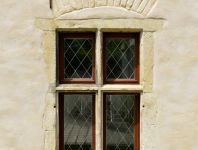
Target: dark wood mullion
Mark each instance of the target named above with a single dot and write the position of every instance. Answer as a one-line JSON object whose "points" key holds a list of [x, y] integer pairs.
{"points": [[137, 123], [104, 58], [121, 81], [93, 122], [104, 122], [61, 121], [94, 60], [137, 57], [76, 81], [61, 58]]}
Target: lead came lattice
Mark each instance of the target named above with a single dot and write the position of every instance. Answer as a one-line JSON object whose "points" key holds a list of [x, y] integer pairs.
{"points": [[78, 122], [120, 59], [78, 58], [119, 122]]}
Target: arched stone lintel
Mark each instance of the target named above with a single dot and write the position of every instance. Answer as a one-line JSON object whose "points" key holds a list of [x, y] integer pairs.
{"points": [[141, 7]]}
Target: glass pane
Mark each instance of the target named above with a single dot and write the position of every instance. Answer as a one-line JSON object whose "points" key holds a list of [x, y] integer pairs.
{"points": [[119, 122], [78, 122], [78, 58], [120, 59]]}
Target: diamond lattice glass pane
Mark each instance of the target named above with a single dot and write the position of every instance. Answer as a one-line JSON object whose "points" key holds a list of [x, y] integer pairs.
{"points": [[78, 58], [78, 122], [120, 122], [120, 60]]}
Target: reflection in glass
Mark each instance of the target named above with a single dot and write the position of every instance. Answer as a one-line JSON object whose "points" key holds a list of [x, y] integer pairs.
{"points": [[119, 122], [78, 122], [120, 63], [78, 58]]}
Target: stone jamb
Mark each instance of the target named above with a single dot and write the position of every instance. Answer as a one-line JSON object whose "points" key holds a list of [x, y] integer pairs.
{"points": [[148, 104]]}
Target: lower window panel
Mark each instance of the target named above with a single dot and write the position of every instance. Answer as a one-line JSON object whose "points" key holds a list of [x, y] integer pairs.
{"points": [[76, 129], [120, 121]]}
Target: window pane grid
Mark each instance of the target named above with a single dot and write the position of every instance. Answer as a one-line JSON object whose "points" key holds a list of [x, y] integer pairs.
{"points": [[120, 60], [119, 64], [120, 121], [76, 129], [78, 58]]}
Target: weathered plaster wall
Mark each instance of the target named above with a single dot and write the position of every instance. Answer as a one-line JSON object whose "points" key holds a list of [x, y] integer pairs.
{"points": [[24, 76], [176, 75]]}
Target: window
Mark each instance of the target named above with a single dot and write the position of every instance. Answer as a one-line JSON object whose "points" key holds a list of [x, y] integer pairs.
{"points": [[77, 61], [51, 46], [121, 121], [116, 112], [121, 57], [77, 119]]}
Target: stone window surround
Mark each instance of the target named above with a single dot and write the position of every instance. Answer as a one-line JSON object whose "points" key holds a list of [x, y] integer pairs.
{"points": [[148, 106]]}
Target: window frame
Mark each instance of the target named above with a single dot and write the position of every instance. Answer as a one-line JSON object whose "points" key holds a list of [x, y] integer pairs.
{"points": [[77, 35], [136, 127], [81, 82], [136, 36], [61, 117], [147, 27]]}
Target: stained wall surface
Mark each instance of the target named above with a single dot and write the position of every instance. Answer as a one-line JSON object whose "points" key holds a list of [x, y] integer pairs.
{"points": [[23, 73]]}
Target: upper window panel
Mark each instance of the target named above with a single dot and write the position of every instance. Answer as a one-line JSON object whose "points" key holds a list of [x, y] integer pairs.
{"points": [[76, 57], [121, 57]]}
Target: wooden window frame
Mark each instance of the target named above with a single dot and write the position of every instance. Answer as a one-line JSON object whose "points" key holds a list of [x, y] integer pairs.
{"points": [[134, 35], [61, 117], [81, 35], [82, 83], [146, 27], [136, 119]]}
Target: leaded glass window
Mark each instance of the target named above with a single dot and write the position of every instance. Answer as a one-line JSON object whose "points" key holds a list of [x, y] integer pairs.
{"points": [[89, 115], [77, 62], [120, 116], [120, 57], [77, 126]]}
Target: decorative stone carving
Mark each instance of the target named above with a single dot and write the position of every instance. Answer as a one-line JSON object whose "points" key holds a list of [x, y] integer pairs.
{"points": [[142, 7]]}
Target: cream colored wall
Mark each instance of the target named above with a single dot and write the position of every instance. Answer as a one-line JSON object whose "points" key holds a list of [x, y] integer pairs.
{"points": [[176, 75], [23, 78], [24, 75]]}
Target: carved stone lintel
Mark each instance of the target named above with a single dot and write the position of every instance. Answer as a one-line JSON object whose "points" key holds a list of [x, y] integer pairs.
{"points": [[142, 7]]}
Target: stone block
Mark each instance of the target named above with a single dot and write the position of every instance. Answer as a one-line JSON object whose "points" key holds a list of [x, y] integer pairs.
{"points": [[117, 3], [76, 4], [85, 3], [136, 4], [50, 140], [110, 3], [142, 6], [99, 3], [49, 118], [129, 4], [49, 40], [91, 3], [148, 7], [123, 3]]}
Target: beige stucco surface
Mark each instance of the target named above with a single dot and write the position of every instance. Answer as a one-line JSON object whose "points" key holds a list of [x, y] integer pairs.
{"points": [[25, 81]]}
